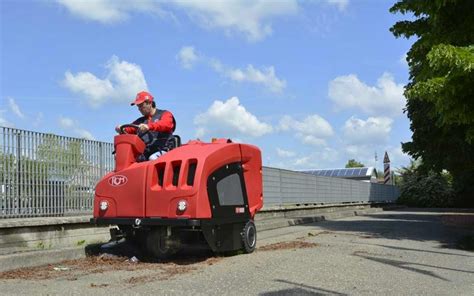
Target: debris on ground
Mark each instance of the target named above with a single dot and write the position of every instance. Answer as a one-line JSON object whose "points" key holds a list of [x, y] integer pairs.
{"points": [[73, 269], [288, 245], [99, 285]]}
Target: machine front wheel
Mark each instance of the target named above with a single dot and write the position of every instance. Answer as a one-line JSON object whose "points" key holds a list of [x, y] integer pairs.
{"points": [[249, 237], [159, 245]]}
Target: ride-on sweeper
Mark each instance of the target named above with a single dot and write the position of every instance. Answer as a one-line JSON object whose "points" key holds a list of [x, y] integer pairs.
{"points": [[196, 192]]}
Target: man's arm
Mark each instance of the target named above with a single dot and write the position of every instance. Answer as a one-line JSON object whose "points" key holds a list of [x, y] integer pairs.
{"points": [[130, 130], [164, 125]]}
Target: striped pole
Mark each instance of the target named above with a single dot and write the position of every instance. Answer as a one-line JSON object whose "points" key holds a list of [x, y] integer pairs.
{"points": [[386, 169]]}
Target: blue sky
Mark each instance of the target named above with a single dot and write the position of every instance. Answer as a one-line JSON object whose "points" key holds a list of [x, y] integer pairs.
{"points": [[312, 83]]}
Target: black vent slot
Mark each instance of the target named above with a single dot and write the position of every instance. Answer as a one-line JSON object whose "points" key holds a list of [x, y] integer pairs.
{"points": [[176, 168], [161, 175], [191, 173]]}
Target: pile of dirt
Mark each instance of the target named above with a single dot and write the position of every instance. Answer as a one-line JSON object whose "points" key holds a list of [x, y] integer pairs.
{"points": [[298, 244]]}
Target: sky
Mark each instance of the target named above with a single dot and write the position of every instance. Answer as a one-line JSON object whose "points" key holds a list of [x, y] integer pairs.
{"points": [[312, 83]]}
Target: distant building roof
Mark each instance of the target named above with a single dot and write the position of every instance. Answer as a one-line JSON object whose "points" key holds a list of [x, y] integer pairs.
{"points": [[365, 173]]}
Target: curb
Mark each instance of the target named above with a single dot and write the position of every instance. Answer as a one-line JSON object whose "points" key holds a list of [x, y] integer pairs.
{"points": [[38, 258], [270, 224]]}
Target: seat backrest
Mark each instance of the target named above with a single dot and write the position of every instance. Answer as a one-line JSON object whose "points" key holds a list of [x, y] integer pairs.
{"points": [[176, 141]]}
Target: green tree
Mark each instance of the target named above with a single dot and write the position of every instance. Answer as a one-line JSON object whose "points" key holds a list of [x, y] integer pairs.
{"points": [[62, 159], [424, 189], [55, 170], [440, 93], [352, 163]]}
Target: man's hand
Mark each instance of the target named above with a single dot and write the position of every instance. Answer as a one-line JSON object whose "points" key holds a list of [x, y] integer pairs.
{"points": [[143, 127]]}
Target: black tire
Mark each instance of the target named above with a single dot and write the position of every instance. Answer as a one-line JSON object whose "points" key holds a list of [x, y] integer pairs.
{"points": [[158, 244], [249, 237]]}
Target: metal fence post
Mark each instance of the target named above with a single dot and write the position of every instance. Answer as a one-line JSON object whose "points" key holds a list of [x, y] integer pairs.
{"points": [[101, 159], [18, 170]]}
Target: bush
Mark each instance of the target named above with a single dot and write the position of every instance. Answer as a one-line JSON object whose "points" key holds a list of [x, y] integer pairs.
{"points": [[425, 189]]}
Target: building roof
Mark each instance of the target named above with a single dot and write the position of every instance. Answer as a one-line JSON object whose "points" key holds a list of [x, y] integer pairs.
{"points": [[344, 173]]}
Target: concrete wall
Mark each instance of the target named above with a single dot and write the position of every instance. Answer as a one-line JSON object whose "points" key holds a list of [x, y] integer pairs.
{"points": [[27, 234], [283, 187]]}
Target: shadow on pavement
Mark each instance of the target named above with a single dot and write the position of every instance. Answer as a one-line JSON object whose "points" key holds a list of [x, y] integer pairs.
{"points": [[419, 226], [409, 266], [122, 248], [418, 250], [301, 289]]}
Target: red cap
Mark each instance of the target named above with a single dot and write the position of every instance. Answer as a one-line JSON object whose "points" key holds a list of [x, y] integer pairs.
{"points": [[142, 97]]}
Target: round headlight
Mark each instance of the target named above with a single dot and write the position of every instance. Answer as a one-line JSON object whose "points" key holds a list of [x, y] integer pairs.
{"points": [[104, 205], [182, 205]]}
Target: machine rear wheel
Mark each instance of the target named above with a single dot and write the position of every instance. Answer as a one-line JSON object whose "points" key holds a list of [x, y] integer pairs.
{"points": [[249, 237], [159, 245]]}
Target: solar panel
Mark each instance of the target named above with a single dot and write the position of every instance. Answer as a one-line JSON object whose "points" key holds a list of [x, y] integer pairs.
{"points": [[341, 173]]}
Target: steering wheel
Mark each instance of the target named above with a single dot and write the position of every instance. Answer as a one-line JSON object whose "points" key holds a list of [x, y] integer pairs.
{"points": [[123, 126]]}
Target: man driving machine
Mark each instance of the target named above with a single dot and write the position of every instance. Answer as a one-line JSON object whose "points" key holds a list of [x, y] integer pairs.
{"points": [[155, 127]]}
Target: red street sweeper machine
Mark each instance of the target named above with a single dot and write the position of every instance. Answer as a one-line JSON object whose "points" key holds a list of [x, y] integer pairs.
{"points": [[196, 192]]}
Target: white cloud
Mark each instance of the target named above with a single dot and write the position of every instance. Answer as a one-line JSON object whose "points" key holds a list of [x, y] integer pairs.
{"points": [[250, 18], [397, 157], [340, 4], [403, 60], [311, 140], [285, 153], [39, 119], [229, 119], [121, 83], [72, 126], [82, 133], [187, 57], [265, 76], [313, 130], [386, 98], [321, 159], [66, 123], [3, 121], [312, 125], [366, 155], [15, 108], [110, 11], [373, 130]]}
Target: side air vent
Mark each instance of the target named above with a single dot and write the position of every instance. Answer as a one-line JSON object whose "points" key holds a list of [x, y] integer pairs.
{"points": [[191, 172], [176, 168], [161, 173]]}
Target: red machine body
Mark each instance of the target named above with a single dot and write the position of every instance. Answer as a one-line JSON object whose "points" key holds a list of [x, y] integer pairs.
{"points": [[220, 184]]}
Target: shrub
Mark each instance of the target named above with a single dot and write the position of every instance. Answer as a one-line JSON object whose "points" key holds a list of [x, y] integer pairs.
{"points": [[425, 189]]}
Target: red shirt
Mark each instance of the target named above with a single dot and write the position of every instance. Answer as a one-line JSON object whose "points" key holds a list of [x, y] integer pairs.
{"points": [[162, 121]]}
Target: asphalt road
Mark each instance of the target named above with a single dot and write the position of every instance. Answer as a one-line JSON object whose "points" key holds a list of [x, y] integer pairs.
{"points": [[387, 253]]}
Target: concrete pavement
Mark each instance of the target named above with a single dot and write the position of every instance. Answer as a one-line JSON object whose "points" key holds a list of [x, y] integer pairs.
{"points": [[384, 253]]}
